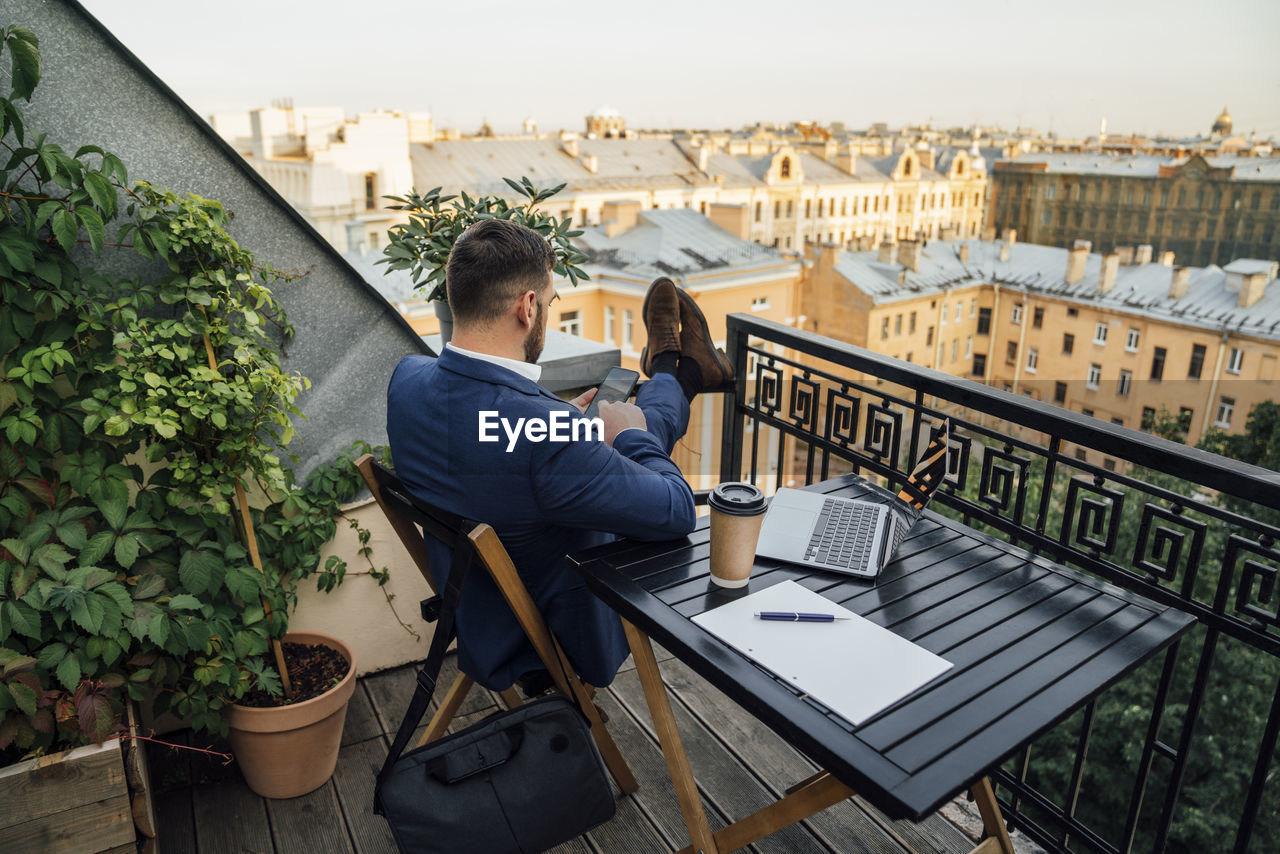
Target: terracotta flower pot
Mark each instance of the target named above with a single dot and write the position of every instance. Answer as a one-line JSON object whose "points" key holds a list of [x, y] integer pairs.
{"points": [[288, 751]]}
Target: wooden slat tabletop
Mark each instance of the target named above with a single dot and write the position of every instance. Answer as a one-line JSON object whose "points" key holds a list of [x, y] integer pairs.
{"points": [[1031, 642]]}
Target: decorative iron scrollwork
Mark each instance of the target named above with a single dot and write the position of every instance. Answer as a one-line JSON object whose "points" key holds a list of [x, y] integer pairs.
{"points": [[1160, 553], [1100, 511], [884, 429]]}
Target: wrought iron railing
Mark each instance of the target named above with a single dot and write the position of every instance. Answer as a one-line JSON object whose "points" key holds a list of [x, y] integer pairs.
{"points": [[1178, 757]]}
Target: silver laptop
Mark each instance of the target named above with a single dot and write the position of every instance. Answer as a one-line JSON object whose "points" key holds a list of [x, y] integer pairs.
{"points": [[848, 535]]}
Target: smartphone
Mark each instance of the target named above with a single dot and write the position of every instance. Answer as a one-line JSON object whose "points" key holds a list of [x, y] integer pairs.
{"points": [[618, 385]]}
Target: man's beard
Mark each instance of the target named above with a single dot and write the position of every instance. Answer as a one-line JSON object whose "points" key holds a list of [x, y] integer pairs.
{"points": [[537, 336]]}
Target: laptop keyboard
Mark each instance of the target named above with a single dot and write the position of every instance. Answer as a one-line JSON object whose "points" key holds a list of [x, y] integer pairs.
{"points": [[842, 535]]}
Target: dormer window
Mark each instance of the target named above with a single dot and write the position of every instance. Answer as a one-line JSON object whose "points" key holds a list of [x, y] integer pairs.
{"points": [[959, 168], [785, 170], [906, 168]]}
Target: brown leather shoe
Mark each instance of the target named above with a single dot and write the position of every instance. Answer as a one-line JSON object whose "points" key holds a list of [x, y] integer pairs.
{"points": [[661, 314], [695, 343]]}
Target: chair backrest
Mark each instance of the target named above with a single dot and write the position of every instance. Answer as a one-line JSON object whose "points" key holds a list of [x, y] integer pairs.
{"points": [[405, 511]]}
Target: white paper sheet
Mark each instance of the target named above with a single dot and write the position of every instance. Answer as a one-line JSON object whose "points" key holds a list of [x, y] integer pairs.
{"points": [[853, 667]]}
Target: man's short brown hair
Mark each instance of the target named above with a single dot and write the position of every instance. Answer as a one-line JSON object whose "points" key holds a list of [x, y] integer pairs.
{"points": [[493, 263]]}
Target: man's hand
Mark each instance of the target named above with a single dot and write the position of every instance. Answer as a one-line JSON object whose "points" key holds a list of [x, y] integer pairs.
{"points": [[618, 417], [583, 400]]}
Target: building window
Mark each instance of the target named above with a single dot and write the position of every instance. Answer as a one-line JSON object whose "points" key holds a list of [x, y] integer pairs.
{"points": [[928, 337], [1148, 417], [1082, 455], [777, 210], [1131, 340], [1197, 362], [955, 349], [791, 209], [1068, 343], [909, 356], [785, 170], [968, 347], [1050, 192], [1037, 318], [1087, 412], [1017, 312], [979, 364], [897, 325], [608, 324], [1011, 352], [1122, 387], [370, 191], [884, 328], [760, 304], [911, 323], [759, 210], [1235, 360], [571, 322], [1033, 358], [959, 310], [1226, 408], [1108, 464], [1095, 376], [808, 208], [973, 307], [627, 326], [1100, 333], [984, 321], [1185, 413], [1060, 393], [1157, 364], [1073, 312]]}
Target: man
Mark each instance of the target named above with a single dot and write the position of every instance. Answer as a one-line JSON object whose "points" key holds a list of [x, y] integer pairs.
{"points": [[544, 499]]}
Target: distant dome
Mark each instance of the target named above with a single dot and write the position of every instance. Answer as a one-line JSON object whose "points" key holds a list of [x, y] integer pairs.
{"points": [[607, 112], [1222, 124]]}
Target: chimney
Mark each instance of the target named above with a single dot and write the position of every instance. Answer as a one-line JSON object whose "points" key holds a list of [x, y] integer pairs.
{"points": [[847, 161], [1077, 255], [1107, 275], [704, 156], [1004, 252], [618, 216], [570, 146], [734, 219], [1126, 255], [1143, 254], [1166, 258], [1011, 236], [1254, 286], [909, 255], [1179, 282], [888, 252], [592, 163], [962, 252]]}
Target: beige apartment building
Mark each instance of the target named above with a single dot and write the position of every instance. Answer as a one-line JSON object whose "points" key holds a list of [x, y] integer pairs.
{"points": [[1204, 210], [793, 196], [1115, 336]]}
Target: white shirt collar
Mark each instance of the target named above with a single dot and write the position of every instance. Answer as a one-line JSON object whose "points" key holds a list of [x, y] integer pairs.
{"points": [[524, 369]]}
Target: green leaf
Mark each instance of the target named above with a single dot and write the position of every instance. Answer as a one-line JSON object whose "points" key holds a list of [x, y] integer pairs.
{"points": [[97, 547], [93, 225], [158, 631], [68, 672], [196, 569], [88, 613], [97, 720], [23, 696], [149, 586], [185, 602], [126, 549], [23, 619], [26, 62], [101, 191], [114, 510], [65, 229]]}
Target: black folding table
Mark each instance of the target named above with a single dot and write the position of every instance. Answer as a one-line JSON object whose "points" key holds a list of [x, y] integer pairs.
{"points": [[1030, 641]]}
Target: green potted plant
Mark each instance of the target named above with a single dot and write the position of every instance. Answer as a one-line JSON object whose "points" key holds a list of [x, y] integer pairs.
{"points": [[141, 426], [422, 245]]}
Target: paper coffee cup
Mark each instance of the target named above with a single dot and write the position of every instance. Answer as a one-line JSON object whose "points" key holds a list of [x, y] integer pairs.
{"points": [[737, 511]]}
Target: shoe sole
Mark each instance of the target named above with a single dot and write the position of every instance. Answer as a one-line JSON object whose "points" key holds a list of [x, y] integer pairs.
{"points": [[645, 367], [722, 361]]}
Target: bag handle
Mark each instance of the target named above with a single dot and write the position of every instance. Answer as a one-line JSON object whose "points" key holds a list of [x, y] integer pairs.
{"points": [[426, 686]]}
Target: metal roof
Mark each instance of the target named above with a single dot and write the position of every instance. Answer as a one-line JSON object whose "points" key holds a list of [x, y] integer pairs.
{"points": [[1139, 290], [679, 243], [1147, 165]]}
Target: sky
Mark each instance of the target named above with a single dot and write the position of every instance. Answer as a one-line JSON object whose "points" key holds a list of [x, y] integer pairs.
{"points": [[1147, 67]]}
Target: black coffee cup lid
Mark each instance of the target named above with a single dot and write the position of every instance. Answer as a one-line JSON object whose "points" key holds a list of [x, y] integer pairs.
{"points": [[736, 499]]}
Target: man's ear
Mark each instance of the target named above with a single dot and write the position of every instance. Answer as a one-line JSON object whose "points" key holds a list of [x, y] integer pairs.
{"points": [[527, 309]]}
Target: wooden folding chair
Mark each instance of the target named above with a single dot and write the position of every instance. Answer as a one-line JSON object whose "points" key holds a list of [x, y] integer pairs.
{"points": [[407, 514]]}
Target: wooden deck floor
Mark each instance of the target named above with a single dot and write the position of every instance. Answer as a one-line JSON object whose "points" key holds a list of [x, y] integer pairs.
{"points": [[206, 808]]}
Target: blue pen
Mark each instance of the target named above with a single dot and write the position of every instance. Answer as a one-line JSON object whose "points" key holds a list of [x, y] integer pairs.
{"points": [[798, 617]]}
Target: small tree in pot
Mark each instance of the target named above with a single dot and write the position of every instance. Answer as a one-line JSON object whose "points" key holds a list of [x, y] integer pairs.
{"points": [[422, 245]]}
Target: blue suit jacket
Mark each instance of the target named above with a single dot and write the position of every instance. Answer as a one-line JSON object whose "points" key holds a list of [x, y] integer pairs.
{"points": [[544, 499]]}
